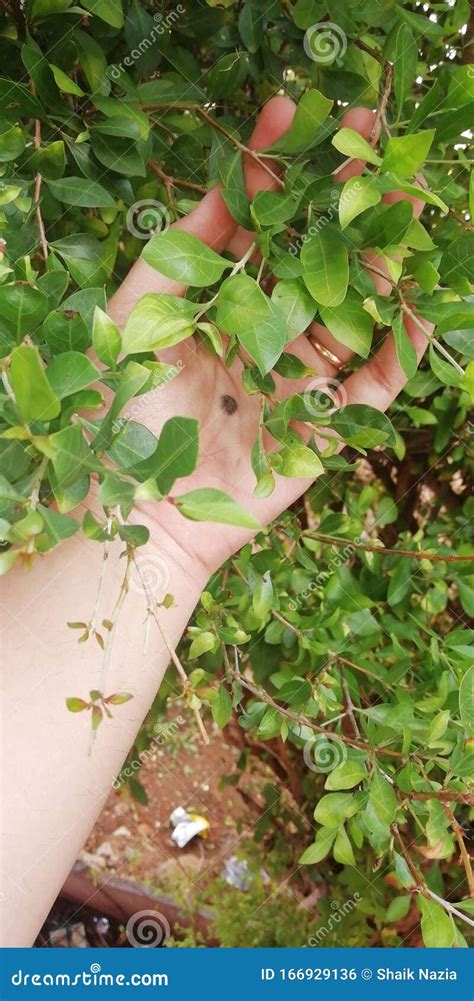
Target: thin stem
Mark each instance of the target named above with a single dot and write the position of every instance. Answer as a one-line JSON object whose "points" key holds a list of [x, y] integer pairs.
{"points": [[444, 795], [385, 551], [152, 613], [215, 124], [175, 182], [263, 696], [442, 350], [237, 267], [380, 113], [458, 833], [37, 190], [113, 619]]}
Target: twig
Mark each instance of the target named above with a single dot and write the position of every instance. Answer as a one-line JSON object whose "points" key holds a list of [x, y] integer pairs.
{"points": [[175, 182], [442, 350], [261, 694], [369, 50], [151, 609], [444, 795], [215, 124], [384, 551], [113, 619], [458, 833], [350, 707], [421, 885], [37, 190], [380, 117]]}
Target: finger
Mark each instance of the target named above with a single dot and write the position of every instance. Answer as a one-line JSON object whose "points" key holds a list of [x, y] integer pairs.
{"points": [[380, 380], [210, 221], [362, 120], [274, 120], [401, 196]]}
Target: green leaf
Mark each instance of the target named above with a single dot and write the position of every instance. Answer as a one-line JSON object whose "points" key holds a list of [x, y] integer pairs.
{"points": [[35, 397], [64, 82], [109, 11], [312, 111], [263, 596], [333, 809], [12, 144], [106, 338], [118, 699], [401, 582], [405, 155], [346, 775], [203, 643], [363, 426], [22, 307], [357, 195], [208, 504], [398, 908], [231, 173], [158, 321], [437, 927], [352, 144], [382, 801], [342, 850], [82, 192], [405, 59], [402, 871], [321, 847], [466, 701], [270, 208], [326, 267], [184, 258], [244, 310], [406, 354], [69, 453], [177, 451], [76, 705], [85, 258], [350, 323], [221, 707], [70, 372], [297, 460]]}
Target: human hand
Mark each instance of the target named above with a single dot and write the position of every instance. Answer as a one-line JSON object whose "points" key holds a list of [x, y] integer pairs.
{"points": [[213, 394]]}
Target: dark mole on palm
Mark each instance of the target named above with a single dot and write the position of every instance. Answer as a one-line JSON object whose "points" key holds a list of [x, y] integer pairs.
{"points": [[228, 404]]}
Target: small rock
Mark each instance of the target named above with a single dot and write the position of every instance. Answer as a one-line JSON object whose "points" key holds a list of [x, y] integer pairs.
{"points": [[121, 832]]}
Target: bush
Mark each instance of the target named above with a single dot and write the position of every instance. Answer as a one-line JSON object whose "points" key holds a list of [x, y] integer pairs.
{"points": [[342, 632]]}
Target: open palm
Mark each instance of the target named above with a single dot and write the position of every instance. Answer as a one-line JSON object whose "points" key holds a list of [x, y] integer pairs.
{"points": [[213, 394]]}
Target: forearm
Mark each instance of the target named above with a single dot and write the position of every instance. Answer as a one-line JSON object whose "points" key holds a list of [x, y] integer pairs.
{"points": [[68, 781]]}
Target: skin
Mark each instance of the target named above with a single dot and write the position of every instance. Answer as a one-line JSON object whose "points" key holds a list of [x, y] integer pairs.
{"points": [[56, 788]]}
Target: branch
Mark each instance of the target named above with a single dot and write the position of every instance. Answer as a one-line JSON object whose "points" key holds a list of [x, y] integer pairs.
{"points": [[261, 694], [151, 609], [458, 833], [176, 182], [421, 885], [37, 189], [381, 110], [384, 551]]}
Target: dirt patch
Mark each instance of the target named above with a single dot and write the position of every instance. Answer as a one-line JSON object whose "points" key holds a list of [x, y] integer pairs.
{"points": [[134, 841]]}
